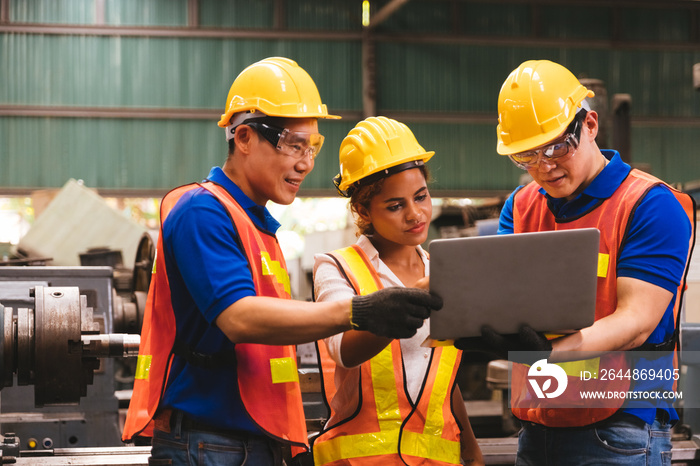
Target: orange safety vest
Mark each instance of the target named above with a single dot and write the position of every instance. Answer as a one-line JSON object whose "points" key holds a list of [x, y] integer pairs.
{"points": [[268, 379], [611, 217], [373, 421]]}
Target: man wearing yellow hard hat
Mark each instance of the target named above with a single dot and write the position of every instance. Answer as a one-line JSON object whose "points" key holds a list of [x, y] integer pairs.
{"points": [[547, 128], [216, 379]]}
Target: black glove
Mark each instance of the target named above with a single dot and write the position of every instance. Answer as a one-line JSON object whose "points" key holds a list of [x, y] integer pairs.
{"points": [[529, 345], [394, 312]]}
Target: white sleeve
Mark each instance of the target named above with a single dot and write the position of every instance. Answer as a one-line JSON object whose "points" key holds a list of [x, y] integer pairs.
{"points": [[331, 285]]}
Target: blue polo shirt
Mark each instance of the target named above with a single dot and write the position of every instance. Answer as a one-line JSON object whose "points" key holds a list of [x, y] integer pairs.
{"points": [[655, 251], [208, 271]]}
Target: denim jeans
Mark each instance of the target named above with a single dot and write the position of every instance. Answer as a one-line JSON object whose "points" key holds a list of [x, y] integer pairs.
{"points": [[623, 439], [183, 447]]}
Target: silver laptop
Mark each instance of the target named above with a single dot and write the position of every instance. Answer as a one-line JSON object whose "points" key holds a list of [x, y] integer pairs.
{"points": [[546, 280]]}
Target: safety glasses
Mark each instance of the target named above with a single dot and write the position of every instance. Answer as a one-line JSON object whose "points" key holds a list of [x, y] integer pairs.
{"points": [[555, 150], [296, 144], [551, 151]]}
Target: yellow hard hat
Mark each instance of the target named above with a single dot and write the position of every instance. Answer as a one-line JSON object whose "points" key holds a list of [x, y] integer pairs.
{"points": [[375, 146], [276, 87], [537, 102]]}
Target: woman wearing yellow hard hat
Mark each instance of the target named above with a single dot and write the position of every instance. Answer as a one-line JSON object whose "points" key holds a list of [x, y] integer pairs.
{"points": [[390, 399]]}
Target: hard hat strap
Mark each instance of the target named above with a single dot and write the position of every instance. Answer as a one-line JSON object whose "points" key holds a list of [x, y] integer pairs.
{"points": [[369, 179], [240, 118]]}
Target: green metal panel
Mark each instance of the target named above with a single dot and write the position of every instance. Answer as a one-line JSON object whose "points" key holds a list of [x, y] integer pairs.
{"points": [[159, 72], [52, 11], [575, 22], [495, 19], [656, 24], [445, 78], [421, 16], [195, 73], [112, 71], [660, 83], [146, 12], [335, 67], [299, 15], [122, 153], [336, 15], [465, 157], [466, 78], [236, 13], [671, 152], [105, 153]]}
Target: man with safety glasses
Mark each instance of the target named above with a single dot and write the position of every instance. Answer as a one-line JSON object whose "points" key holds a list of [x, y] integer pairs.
{"points": [[216, 380], [646, 227]]}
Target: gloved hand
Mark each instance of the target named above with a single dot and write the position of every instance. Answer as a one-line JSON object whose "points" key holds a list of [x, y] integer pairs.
{"points": [[394, 312], [530, 345]]}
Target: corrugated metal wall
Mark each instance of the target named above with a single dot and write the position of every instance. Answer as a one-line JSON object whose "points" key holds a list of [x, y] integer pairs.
{"points": [[435, 60]]}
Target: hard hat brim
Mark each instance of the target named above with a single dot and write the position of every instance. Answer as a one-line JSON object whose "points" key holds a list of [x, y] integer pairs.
{"points": [[387, 168]]}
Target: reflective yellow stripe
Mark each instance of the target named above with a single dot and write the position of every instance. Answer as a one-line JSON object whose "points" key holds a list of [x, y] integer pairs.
{"points": [[270, 267], [356, 446], [143, 366], [574, 368], [155, 260], [364, 277], [434, 421], [603, 262], [384, 443], [430, 446], [284, 370], [385, 396]]}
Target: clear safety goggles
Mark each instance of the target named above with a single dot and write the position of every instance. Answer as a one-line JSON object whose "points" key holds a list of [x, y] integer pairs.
{"points": [[296, 144], [555, 150], [551, 152]]}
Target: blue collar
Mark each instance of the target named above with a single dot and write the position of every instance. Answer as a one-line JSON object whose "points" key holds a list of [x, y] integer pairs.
{"points": [[602, 187], [257, 213], [608, 180]]}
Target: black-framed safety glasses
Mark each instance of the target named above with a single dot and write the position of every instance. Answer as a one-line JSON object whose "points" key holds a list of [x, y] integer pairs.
{"points": [[296, 144]]}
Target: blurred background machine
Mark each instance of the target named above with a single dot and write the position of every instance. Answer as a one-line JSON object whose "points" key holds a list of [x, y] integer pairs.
{"points": [[58, 368], [71, 309]]}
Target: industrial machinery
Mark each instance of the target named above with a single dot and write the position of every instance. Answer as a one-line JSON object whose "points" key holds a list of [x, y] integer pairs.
{"points": [[57, 334]]}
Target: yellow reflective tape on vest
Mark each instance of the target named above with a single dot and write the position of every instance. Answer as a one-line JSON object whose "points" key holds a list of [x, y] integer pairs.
{"points": [[430, 446], [574, 368], [435, 421], [603, 262], [143, 366], [284, 370], [385, 396], [356, 446], [363, 276], [270, 267]]}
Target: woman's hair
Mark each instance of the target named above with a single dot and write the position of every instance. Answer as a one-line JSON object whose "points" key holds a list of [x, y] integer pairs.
{"points": [[362, 196]]}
